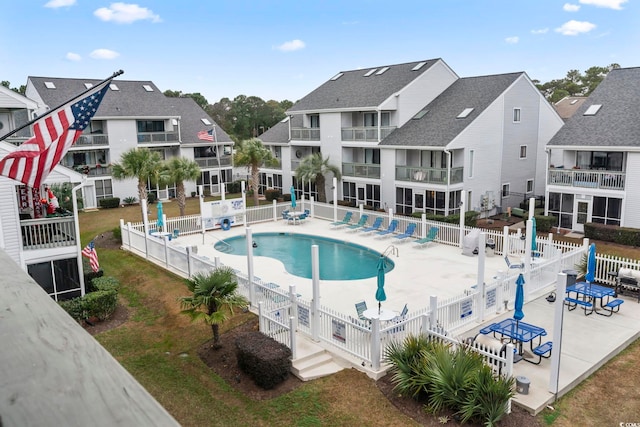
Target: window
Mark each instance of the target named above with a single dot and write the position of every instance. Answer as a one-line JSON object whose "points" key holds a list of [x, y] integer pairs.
{"points": [[148, 88], [371, 71], [372, 195], [505, 190], [206, 121], [529, 186], [314, 121], [349, 192], [370, 119], [470, 168], [523, 151], [516, 115], [435, 202], [114, 86], [59, 278], [561, 207], [104, 188], [88, 85], [593, 110], [337, 76], [150, 126], [606, 210], [404, 200], [599, 160], [382, 70], [420, 114], [418, 66], [465, 113], [49, 85]]}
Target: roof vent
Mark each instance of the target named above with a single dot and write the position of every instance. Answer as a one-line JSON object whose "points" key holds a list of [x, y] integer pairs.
{"points": [[465, 113], [418, 66], [88, 85], [337, 76], [371, 71], [382, 70], [592, 110]]}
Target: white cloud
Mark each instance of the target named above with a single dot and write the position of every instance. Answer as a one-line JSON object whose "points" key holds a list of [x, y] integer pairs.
{"points": [[73, 57], [568, 7], [125, 13], [609, 4], [104, 54], [573, 28], [292, 45], [54, 4], [512, 40], [540, 31]]}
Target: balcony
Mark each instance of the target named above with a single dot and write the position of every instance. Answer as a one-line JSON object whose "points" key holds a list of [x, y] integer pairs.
{"points": [[89, 140], [605, 180], [212, 162], [361, 170], [157, 137], [368, 133], [305, 134], [93, 170], [47, 233], [428, 175]]}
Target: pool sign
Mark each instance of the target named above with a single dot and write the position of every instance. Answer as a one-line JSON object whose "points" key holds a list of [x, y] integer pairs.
{"points": [[491, 298], [466, 308], [222, 213], [339, 329], [303, 316]]}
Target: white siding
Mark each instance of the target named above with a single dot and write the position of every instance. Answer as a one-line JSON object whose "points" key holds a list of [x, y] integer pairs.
{"points": [[630, 217], [10, 220], [330, 146]]}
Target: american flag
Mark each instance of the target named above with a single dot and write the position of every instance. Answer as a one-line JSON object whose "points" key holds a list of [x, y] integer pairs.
{"points": [[206, 135], [54, 134], [90, 252]]}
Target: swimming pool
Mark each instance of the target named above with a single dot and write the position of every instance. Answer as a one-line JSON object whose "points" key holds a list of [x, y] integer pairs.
{"points": [[338, 260]]}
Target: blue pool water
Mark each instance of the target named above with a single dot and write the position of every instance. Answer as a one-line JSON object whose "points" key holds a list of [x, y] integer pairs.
{"points": [[338, 260]]}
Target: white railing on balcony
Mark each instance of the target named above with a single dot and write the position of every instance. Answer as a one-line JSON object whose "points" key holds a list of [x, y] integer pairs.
{"points": [[366, 133], [96, 139], [157, 137], [429, 175], [46, 233], [607, 180], [305, 134], [363, 170], [212, 162]]}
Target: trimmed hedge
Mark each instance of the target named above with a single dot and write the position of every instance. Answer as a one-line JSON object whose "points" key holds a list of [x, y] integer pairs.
{"points": [[100, 301], [272, 194], [264, 359], [233, 187], [105, 283], [151, 198], [612, 233], [470, 218], [88, 279], [110, 202], [545, 223]]}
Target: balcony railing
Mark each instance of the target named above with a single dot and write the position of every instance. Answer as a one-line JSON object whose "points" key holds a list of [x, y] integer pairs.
{"points": [[88, 140], [46, 233], [428, 175], [368, 133], [16, 140], [305, 134], [212, 162], [157, 137], [362, 170], [606, 180]]}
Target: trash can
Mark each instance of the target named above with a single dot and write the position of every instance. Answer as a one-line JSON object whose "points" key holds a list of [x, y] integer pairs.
{"points": [[522, 385], [572, 277], [490, 244]]}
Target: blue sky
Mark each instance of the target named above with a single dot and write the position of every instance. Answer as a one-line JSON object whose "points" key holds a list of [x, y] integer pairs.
{"points": [[285, 49]]}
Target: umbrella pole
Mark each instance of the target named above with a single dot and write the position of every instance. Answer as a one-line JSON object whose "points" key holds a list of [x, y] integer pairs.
{"points": [[379, 307]]}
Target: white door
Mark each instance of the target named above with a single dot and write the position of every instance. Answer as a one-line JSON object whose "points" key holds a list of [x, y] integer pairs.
{"points": [[582, 210]]}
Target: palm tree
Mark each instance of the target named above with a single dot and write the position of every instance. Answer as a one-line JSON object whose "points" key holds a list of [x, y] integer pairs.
{"points": [[314, 168], [211, 293], [140, 163], [179, 170], [253, 154]]}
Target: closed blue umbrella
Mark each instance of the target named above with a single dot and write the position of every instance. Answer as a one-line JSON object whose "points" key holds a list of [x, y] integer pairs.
{"points": [[518, 314], [160, 221], [534, 247], [591, 264], [380, 295], [293, 198]]}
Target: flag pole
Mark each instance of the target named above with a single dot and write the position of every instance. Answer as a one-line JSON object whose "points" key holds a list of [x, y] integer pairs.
{"points": [[51, 110]]}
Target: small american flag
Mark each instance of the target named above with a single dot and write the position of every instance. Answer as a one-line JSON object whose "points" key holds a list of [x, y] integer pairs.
{"points": [[90, 252], [206, 135], [54, 134]]}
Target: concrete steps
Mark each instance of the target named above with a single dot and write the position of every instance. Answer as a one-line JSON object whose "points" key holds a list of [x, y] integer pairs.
{"points": [[313, 361]]}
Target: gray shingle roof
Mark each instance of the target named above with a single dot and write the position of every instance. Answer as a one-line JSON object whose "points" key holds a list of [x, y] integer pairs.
{"points": [[616, 124], [440, 125], [133, 100], [279, 133], [353, 90], [568, 105]]}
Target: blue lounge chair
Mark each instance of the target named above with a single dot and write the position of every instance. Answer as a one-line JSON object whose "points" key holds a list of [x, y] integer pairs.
{"points": [[392, 228], [519, 266], [361, 307], [411, 228], [361, 223], [374, 227], [433, 232], [345, 221]]}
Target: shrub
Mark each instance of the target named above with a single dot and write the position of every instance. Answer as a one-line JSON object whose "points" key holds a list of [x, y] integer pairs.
{"points": [[117, 234], [286, 197], [612, 233], [407, 365], [271, 194], [545, 223], [350, 203], [105, 283], [470, 218], [75, 307], [101, 304], [110, 202], [151, 198], [233, 187], [130, 200], [88, 279], [264, 359]]}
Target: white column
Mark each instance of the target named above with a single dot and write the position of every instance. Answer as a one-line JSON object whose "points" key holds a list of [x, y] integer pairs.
{"points": [[558, 320], [423, 219], [480, 286], [463, 196], [202, 213], [505, 240], [532, 207], [243, 191], [527, 255], [250, 266], [315, 302], [335, 199], [375, 344]]}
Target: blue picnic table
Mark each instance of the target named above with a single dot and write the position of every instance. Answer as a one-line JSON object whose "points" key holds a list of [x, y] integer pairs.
{"points": [[518, 333], [590, 295]]}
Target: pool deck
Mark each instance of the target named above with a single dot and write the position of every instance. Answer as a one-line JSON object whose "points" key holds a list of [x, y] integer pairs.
{"points": [[588, 342]]}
